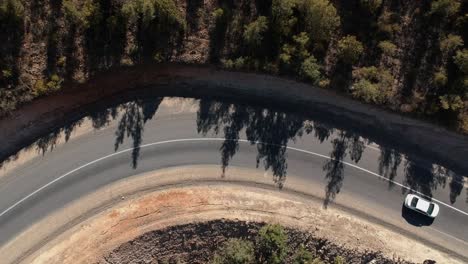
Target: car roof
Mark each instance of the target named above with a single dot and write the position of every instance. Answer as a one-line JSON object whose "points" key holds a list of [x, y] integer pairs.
{"points": [[423, 205]]}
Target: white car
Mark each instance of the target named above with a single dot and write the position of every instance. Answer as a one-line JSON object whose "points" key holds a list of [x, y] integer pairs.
{"points": [[421, 205]]}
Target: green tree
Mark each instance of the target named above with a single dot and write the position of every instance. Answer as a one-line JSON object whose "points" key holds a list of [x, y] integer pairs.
{"points": [[373, 85], [82, 15], [282, 16], [387, 47], [139, 9], [148, 10], [388, 23], [450, 43], [294, 55], [272, 244], [235, 251], [310, 70], [461, 60], [445, 8], [253, 32], [159, 28], [350, 49], [371, 5], [320, 18], [11, 11], [366, 90]]}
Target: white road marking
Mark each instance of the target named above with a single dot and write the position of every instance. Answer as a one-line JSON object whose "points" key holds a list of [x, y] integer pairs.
{"points": [[210, 139]]}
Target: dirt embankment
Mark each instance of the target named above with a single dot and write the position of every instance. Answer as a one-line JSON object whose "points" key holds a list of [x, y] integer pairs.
{"points": [[387, 129]]}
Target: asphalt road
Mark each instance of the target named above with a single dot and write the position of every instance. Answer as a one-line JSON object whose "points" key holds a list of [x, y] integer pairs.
{"points": [[90, 161]]}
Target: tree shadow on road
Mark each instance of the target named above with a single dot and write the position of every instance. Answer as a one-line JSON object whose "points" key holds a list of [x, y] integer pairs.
{"points": [[423, 177], [132, 119], [270, 132], [131, 124], [389, 161], [346, 143]]}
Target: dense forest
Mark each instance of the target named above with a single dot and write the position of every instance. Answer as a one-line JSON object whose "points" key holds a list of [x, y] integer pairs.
{"points": [[407, 56]]}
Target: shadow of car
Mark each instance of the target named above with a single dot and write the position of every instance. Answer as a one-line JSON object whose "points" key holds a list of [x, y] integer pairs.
{"points": [[415, 218]]}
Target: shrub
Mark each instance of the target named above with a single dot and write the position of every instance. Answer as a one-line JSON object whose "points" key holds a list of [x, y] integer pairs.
{"points": [[366, 90], [228, 64], [310, 70], [39, 88], [240, 63], [235, 251], [324, 83], [272, 244], [371, 5], [253, 32], [451, 102], [302, 256], [440, 78], [7, 73], [387, 48], [350, 49], [450, 43], [373, 85], [54, 84], [445, 8], [339, 260], [42, 87], [321, 19], [81, 15], [461, 60]]}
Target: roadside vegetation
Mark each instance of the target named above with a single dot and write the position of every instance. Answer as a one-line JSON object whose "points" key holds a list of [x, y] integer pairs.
{"points": [[270, 247], [239, 242], [405, 56]]}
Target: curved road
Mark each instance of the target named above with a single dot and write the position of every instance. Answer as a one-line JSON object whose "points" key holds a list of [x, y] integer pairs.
{"points": [[44, 184]]}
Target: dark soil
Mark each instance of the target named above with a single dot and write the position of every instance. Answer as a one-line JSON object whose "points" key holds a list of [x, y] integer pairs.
{"points": [[196, 243]]}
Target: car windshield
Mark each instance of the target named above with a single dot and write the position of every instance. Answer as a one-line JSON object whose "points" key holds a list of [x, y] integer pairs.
{"points": [[431, 208], [414, 202]]}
